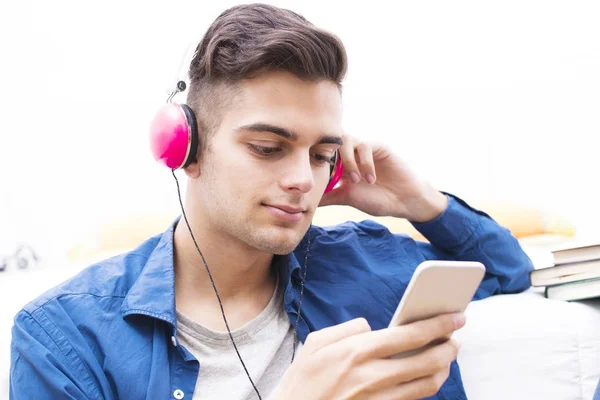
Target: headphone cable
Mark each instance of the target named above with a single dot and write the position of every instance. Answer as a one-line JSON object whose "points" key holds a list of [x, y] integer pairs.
{"points": [[219, 297]]}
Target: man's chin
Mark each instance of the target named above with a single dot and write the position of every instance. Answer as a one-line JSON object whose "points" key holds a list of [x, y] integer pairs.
{"points": [[279, 241]]}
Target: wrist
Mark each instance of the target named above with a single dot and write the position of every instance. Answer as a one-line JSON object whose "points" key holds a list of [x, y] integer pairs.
{"points": [[428, 206]]}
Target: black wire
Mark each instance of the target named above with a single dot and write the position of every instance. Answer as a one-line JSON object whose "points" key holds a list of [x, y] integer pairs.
{"points": [[214, 286], [301, 295], [219, 297]]}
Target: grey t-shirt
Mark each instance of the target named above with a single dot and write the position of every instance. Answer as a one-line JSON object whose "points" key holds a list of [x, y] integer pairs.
{"points": [[265, 344]]}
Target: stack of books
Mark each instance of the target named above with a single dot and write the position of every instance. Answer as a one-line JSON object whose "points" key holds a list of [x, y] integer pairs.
{"points": [[575, 274]]}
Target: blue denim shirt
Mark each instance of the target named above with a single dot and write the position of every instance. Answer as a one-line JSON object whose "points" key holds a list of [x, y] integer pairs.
{"points": [[110, 332]]}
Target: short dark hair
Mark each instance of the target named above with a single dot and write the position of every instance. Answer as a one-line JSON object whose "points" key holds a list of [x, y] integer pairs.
{"points": [[247, 40]]}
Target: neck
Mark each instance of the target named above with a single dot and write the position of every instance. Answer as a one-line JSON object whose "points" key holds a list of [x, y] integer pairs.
{"points": [[241, 274]]}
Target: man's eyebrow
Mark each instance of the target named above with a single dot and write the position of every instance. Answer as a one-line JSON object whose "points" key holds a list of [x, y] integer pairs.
{"points": [[330, 139], [262, 127], [287, 134]]}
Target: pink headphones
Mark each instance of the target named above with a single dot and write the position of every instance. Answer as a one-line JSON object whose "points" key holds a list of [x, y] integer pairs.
{"points": [[174, 138]]}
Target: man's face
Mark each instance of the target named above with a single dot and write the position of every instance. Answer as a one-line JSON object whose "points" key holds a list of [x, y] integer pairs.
{"points": [[267, 166]]}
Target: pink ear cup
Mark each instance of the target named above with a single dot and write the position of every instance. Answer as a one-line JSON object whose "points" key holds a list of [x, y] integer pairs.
{"points": [[170, 136], [337, 175]]}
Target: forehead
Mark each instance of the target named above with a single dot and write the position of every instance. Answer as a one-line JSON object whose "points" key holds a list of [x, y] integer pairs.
{"points": [[282, 99]]}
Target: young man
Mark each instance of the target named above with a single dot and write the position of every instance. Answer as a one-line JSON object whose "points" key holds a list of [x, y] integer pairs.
{"points": [[265, 89]]}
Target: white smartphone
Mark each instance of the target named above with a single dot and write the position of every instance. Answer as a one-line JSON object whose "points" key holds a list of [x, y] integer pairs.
{"points": [[438, 287]]}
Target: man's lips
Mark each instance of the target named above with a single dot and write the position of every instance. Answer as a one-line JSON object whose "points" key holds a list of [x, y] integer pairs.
{"points": [[286, 208], [285, 212]]}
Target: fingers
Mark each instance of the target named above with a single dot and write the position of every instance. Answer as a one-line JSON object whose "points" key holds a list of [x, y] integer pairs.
{"points": [[349, 160], [431, 362], [364, 153], [421, 333], [357, 158], [392, 372], [359, 360], [388, 342], [324, 337], [417, 389], [386, 378]]}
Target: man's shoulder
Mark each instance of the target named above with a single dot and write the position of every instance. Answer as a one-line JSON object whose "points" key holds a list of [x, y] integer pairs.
{"points": [[366, 232], [110, 277], [366, 240], [348, 227]]}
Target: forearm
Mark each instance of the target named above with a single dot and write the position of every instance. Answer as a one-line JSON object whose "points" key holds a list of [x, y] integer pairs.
{"points": [[464, 233]]}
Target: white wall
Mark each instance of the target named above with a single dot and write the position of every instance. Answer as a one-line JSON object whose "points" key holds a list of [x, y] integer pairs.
{"points": [[489, 100]]}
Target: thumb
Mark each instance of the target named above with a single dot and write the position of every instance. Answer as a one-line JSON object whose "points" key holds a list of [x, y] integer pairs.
{"points": [[322, 338]]}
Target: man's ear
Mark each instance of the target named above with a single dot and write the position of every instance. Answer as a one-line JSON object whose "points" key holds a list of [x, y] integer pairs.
{"points": [[193, 170]]}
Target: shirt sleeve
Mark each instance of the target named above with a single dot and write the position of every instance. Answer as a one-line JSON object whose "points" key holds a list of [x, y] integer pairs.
{"points": [[464, 233], [41, 363]]}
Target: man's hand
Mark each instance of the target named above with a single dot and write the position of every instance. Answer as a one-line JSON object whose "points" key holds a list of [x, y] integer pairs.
{"points": [[379, 183], [349, 361]]}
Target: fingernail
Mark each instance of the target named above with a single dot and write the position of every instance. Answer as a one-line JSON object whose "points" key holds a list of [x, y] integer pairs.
{"points": [[370, 178], [354, 176], [459, 320]]}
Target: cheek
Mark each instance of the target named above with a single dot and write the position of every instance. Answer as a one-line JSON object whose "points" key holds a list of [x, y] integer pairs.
{"points": [[238, 177]]}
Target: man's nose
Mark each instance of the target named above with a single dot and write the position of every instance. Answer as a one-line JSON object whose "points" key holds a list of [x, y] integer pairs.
{"points": [[299, 174]]}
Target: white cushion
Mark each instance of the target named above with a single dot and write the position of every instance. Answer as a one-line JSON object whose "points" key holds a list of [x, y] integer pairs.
{"points": [[525, 346]]}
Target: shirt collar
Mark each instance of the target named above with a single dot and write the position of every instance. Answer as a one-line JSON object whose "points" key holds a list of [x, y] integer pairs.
{"points": [[153, 293]]}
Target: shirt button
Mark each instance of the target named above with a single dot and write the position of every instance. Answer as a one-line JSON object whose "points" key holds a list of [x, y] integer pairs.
{"points": [[178, 394], [174, 341]]}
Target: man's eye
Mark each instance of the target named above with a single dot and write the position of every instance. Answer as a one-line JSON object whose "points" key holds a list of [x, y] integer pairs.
{"points": [[262, 150], [321, 159]]}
